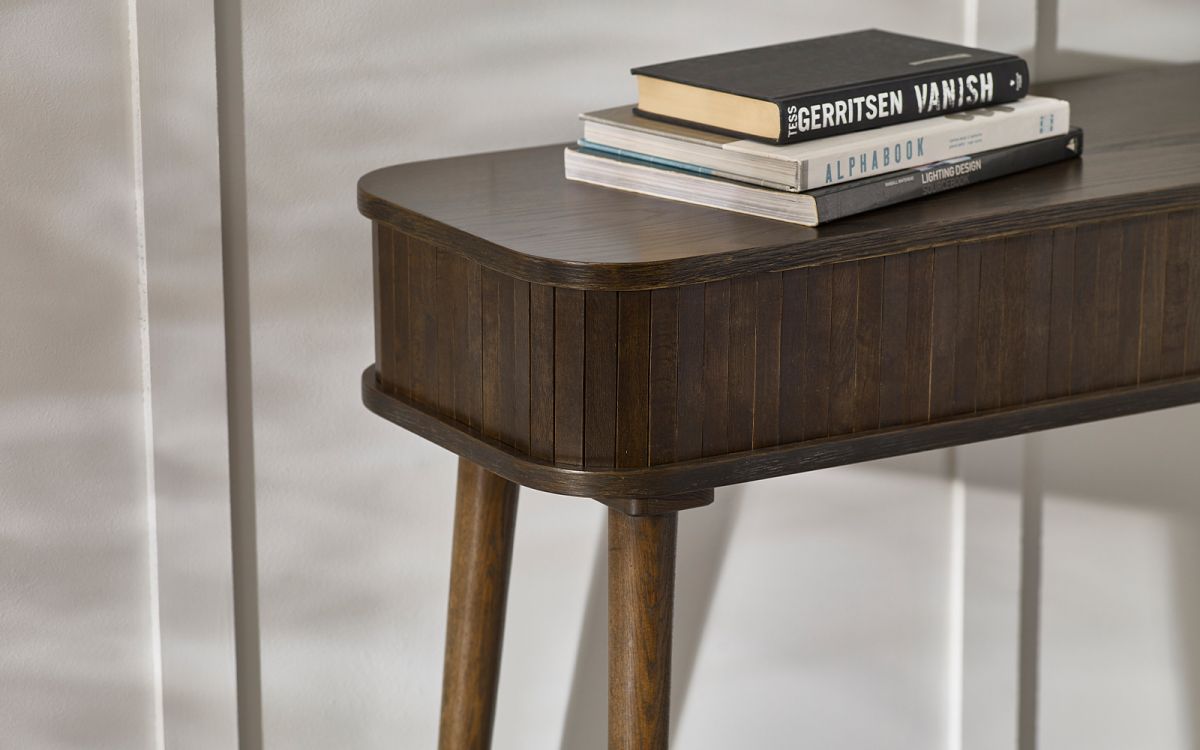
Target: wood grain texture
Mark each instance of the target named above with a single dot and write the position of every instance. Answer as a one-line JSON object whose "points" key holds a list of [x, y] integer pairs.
{"points": [[867, 345], [400, 361], [657, 506], [1083, 321], [967, 329], [1016, 319], [767, 331], [457, 292], [793, 328], [989, 355], [1188, 233], [541, 371], [422, 320], [444, 324], [918, 350], [485, 518], [943, 332], [715, 431], [1038, 297], [818, 374], [381, 269], [504, 376], [600, 380], [893, 357], [568, 376], [515, 212], [843, 346], [681, 477], [690, 408], [641, 594], [664, 376], [1107, 366], [518, 364], [1149, 333], [472, 364], [494, 344], [631, 379], [743, 320], [1175, 298], [1062, 312]]}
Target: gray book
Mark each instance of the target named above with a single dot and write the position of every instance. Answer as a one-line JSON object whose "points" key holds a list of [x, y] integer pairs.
{"points": [[823, 204]]}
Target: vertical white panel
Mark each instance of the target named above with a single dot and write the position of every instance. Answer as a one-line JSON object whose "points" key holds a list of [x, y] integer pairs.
{"points": [[75, 634], [180, 181], [1121, 606], [1007, 26], [1075, 38], [1096, 36], [991, 557]]}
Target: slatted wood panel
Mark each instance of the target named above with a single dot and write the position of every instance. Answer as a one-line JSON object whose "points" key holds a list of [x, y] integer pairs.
{"points": [[602, 379]]}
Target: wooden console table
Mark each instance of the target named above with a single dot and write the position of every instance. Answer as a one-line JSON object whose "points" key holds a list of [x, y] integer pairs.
{"points": [[595, 343]]}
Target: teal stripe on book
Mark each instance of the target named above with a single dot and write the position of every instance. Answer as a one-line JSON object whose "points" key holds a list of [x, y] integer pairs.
{"points": [[658, 160]]}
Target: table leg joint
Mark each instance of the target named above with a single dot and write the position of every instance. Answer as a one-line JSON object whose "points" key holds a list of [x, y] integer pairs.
{"points": [[659, 506]]}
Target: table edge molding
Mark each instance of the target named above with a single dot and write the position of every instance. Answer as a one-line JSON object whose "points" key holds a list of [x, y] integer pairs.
{"points": [[657, 482], [717, 266]]}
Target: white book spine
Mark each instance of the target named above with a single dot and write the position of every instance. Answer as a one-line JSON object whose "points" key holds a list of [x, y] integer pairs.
{"points": [[857, 155]]}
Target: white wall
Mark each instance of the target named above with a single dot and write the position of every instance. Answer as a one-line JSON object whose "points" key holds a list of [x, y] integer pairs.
{"points": [[891, 591], [354, 515], [1121, 613], [76, 664]]}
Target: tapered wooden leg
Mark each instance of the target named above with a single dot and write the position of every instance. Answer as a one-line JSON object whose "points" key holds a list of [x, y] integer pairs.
{"points": [[641, 594], [484, 520]]}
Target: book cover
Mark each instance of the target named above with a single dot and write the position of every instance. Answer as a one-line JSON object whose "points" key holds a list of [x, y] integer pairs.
{"points": [[823, 204], [856, 197], [815, 88], [828, 161]]}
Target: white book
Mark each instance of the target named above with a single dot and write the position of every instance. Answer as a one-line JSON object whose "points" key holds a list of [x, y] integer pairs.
{"points": [[827, 161]]}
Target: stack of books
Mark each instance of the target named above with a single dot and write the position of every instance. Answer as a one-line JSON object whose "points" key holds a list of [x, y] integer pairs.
{"points": [[814, 130]]}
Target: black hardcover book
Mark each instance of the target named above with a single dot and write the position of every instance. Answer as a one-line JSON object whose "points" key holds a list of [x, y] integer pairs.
{"points": [[823, 204], [800, 91]]}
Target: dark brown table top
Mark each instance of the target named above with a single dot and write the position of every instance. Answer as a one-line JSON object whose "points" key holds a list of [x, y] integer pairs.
{"points": [[514, 210], [1057, 296]]}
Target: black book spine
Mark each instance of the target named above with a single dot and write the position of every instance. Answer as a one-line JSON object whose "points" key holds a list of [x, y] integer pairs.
{"points": [[848, 110], [851, 198]]}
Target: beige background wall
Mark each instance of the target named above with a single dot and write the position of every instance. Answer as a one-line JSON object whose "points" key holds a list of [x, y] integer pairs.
{"points": [[76, 635], [890, 591]]}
